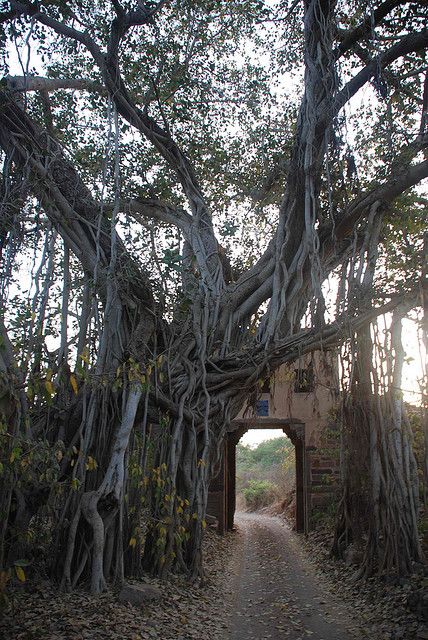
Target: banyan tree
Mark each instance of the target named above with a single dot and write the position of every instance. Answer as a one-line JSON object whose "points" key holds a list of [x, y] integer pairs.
{"points": [[181, 181]]}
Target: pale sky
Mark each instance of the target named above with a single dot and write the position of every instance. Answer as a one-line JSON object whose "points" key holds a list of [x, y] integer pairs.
{"points": [[254, 437]]}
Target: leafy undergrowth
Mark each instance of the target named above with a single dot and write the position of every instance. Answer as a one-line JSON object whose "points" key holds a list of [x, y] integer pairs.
{"points": [[264, 473], [39, 612], [381, 607]]}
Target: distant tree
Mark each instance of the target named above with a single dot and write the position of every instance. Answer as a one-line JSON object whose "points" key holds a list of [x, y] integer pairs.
{"points": [[259, 494], [266, 453], [265, 473], [180, 210]]}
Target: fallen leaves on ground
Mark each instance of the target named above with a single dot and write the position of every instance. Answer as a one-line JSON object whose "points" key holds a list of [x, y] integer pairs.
{"points": [[188, 612], [379, 606], [185, 612]]}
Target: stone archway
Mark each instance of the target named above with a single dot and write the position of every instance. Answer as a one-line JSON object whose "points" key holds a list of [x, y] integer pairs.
{"points": [[222, 495]]}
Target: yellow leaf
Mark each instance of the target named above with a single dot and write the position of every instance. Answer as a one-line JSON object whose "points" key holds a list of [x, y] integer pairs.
{"points": [[49, 387], [20, 573], [91, 464], [204, 524], [133, 542], [73, 383]]}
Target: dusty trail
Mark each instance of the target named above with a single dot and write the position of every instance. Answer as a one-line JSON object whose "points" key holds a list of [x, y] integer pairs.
{"points": [[279, 595]]}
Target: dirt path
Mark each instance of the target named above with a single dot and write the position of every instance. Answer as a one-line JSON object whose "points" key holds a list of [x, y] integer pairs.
{"points": [[279, 595]]}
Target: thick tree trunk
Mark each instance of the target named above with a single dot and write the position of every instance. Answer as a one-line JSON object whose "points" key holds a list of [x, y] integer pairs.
{"points": [[379, 508]]}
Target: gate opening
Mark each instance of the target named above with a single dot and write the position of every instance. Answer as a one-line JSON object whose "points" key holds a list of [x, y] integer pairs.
{"points": [[222, 494], [266, 472]]}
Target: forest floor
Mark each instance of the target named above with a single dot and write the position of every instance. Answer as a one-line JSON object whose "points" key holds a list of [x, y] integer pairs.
{"points": [[380, 606], [184, 611], [262, 581]]}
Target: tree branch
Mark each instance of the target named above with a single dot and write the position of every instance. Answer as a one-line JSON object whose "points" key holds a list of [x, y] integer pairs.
{"points": [[141, 15], [29, 9], [39, 83], [394, 80], [202, 230], [350, 38], [306, 341], [69, 204], [385, 193], [155, 209], [408, 44]]}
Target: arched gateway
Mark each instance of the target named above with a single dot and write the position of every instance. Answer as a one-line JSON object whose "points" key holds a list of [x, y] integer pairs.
{"points": [[309, 394]]}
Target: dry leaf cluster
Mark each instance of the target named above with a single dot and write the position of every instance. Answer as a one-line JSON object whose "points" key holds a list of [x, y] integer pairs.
{"points": [[379, 606]]}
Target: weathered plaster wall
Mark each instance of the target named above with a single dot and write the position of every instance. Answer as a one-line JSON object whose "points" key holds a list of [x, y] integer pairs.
{"points": [[312, 408], [317, 460]]}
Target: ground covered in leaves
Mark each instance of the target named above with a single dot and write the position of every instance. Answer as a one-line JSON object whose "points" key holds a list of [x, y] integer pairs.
{"points": [[378, 609], [381, 607], [185, 612]]}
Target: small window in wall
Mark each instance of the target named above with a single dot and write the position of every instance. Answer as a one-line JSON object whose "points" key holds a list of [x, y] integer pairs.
{"points": [[266, 386], [262, 407], [305, 380]]}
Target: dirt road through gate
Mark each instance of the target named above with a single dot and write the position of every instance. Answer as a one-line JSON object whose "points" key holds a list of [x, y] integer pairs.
{"points": [[279, 595]]}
